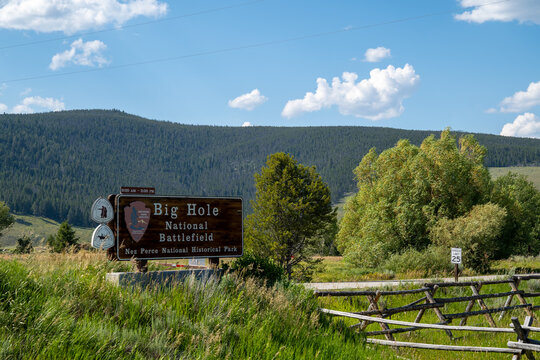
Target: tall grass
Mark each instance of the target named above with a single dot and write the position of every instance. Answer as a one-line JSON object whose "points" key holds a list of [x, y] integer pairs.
{"points": [[60, 307]]}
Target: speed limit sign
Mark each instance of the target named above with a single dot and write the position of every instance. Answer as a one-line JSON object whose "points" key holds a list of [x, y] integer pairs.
{"points": [[455, 257]]}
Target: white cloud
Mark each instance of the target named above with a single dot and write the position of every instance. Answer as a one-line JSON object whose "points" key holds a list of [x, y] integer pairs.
{"points": [[44, 104], [248, 101], [3, 108], [522, 100], [81, 53], [520, 10], [247, 124], [379, 97], [376, 54], [526, 125], [71, 16]]}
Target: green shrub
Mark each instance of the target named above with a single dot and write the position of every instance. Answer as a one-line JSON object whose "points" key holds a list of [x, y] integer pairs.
{"points": [[24, 245], [252, 265], [432, 261], [65, 239], [476, 233]]}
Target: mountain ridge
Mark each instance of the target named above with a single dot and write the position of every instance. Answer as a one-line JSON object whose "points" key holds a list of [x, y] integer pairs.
{"points": [[55, 164]]}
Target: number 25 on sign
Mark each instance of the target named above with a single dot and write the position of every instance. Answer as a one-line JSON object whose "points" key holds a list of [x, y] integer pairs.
{"points": [[455, 257]]}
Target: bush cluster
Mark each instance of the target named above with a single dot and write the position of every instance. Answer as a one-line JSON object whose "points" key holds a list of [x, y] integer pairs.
{"points": [[256, 266], [64, 239], [415, 203]]}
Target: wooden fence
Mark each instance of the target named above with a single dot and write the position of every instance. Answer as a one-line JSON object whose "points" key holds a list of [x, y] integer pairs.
{"points": [[378, 314]]}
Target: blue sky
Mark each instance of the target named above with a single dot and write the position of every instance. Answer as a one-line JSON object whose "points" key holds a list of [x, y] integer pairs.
{"points": [[471, 65]]}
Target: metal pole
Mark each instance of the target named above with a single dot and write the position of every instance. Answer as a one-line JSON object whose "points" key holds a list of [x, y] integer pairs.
{"points": [[142, 265], [213, 262]]}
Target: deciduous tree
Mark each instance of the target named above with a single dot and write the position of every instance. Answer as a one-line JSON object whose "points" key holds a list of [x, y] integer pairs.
{"points": [[520, 235], [405, 190]]}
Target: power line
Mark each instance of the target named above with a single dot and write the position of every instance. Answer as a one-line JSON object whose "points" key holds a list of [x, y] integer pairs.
{"points": [[242, 47], [202, 12]]}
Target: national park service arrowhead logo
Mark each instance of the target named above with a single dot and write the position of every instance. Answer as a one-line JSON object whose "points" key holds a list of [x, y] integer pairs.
{"points": [[137, 217]]}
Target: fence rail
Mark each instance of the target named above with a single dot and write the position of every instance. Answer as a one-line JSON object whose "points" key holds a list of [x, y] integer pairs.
{"points": [[418, 325], [430, 302], [524, 346], [443, 347]]}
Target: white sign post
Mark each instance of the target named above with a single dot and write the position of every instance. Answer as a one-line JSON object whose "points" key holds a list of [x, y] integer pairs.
{"points": [[455, 258]]}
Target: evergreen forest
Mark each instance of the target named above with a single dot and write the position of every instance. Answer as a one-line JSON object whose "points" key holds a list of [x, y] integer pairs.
{"points": [[56, 164]]}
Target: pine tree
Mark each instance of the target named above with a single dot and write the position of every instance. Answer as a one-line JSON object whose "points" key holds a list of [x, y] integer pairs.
{"points": [[291, 211], [24, 245], [65, 238]]}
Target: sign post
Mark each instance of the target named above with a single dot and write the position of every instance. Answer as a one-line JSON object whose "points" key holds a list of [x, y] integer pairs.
{"points": [[455, 258]]}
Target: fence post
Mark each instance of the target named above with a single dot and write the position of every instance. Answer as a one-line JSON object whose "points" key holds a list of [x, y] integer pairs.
{"points": [[440, 315], [371, 300], [373, 303], [522, 299], [470, 305], [483, 305], [522, 335], [510, 297]]}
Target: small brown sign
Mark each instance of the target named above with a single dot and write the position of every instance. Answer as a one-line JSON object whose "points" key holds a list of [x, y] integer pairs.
{"points": [[137, 190], [175, 227]]}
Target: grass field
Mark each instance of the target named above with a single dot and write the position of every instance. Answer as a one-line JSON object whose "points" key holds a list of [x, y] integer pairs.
{"points": [[60, 306], [56, 306], [38, 228], [334, 269], [532, 173]]}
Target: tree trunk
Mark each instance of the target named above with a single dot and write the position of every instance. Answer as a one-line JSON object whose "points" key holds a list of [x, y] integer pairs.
{"points": [[289, 270]]}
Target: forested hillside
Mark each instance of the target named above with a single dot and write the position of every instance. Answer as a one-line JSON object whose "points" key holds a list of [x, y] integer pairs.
{"points": [[56, 164]]}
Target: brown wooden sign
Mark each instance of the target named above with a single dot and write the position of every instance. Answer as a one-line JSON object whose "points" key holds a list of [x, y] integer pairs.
{"points": [[175, 227]]}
